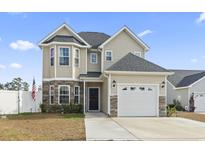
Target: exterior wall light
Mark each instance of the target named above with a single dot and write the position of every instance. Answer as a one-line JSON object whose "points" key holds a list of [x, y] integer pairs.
{"points": [[113, 83]]}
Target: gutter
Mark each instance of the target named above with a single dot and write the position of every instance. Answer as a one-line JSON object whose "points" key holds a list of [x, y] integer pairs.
{"points": [[139, 73]]}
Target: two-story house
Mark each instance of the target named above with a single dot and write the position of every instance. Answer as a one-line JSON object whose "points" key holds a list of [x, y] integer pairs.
{"points": [[103, 73]]}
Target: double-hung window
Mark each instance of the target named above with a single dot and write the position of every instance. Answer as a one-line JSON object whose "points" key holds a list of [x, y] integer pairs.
{"points": [[52, 54], [51, 94], [64, 56], [64, 94], [108, 55], [77, 95], [93, 58], [77, 58]]}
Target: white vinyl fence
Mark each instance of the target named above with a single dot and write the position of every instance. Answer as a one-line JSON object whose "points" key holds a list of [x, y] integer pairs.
{"points": [[14, 102]]}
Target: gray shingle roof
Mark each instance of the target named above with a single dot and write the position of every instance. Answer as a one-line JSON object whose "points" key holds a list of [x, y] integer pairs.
{"points": [[95, 39], [91, 74], [64, 38], [131, 62], [182, 78]]}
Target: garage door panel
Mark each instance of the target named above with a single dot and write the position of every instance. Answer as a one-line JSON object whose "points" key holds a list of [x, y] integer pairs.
{"points": [[137, 100], [199, 100]]}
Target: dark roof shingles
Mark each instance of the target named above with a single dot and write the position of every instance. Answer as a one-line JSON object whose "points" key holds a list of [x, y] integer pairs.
{"points": [[131, 62], [95, 39], [64, 38], [91, 74], [188, 80], [179, 75]]}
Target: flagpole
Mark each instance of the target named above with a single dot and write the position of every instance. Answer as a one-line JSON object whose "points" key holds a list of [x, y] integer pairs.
{"points": [[34, 93]]}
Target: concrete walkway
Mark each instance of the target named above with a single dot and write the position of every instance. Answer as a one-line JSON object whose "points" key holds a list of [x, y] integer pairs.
{"points": [[101, 128]]}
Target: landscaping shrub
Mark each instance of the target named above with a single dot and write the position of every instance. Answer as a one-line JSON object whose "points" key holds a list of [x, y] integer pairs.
{"points": [[61, 108], [171, 111], [177, 105]]}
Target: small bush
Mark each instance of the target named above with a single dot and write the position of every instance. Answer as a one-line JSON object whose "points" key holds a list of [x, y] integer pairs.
{"points": [[61, 108], [171, 111], [177, 105]]}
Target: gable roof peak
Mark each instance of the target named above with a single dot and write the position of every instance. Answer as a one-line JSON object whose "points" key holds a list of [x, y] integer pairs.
{"points": [[68, 28], [131, 33]]}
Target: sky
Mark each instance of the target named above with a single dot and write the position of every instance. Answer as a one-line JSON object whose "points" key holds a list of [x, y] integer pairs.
{"points": [[176, 40]]}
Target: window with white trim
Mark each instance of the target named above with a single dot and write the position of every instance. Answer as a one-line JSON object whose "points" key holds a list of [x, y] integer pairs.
{"points": [[64, 94], [51, 94], [77, 57], [108, 55], [93, 58], [138, 53], [77, 95], [64, 56], [52, 56]]}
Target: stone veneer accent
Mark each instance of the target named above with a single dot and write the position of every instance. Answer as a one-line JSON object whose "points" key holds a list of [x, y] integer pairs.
{"points": [[162, 106], [113, 106], [46, 86]]}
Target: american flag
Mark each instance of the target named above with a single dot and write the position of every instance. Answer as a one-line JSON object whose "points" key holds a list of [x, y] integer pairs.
{"points": [[34, 90]]}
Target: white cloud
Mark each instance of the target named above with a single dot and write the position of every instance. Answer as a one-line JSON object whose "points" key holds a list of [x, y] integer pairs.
{"points": [[0, 39], [146, 32], [22, 14], [15, 65], [2, 66], [22, 45], [203, 57], [201, 18], [194, 60]]}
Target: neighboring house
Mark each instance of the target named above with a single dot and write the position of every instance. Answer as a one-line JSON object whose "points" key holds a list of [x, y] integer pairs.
{"points": [[183, 83], [103, 73]]}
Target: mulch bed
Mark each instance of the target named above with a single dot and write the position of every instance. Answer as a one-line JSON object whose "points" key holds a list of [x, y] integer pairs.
{"points": [[192, 116]]}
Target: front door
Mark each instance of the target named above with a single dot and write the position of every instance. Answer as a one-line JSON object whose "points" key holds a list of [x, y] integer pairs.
{"points": [[93, 99]]}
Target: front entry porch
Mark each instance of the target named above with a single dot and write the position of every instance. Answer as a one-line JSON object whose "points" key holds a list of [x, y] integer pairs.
{"points": [[93, 97]]}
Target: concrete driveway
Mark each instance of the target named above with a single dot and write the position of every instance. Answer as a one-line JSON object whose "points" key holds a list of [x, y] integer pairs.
{"points": [[163, 128], [100, 127]]}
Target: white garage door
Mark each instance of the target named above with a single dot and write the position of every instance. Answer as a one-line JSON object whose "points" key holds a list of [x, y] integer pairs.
{"points": [[137, 100], [199, 100]]}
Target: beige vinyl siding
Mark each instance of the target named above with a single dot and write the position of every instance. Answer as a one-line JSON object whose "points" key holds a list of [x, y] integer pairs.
{"points": [[94, 67], [63, 31], [63, 71], [48, 70], [121, 45], [83, 60], [138, 79], [178, 94]]}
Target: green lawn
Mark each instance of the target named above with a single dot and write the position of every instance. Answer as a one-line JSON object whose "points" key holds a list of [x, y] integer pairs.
{"points": [[46, 127]]}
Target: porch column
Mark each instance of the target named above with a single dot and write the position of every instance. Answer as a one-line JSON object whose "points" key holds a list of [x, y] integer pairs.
{"points": [[109, 91], [84, 97]]}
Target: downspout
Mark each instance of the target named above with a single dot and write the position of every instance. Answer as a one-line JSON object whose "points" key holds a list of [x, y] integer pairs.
{"points": [[84, 97]]}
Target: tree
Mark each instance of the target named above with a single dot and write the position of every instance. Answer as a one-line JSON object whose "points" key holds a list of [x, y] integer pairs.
{"points": [[16, 84], [25, 86], [1, 86]]}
